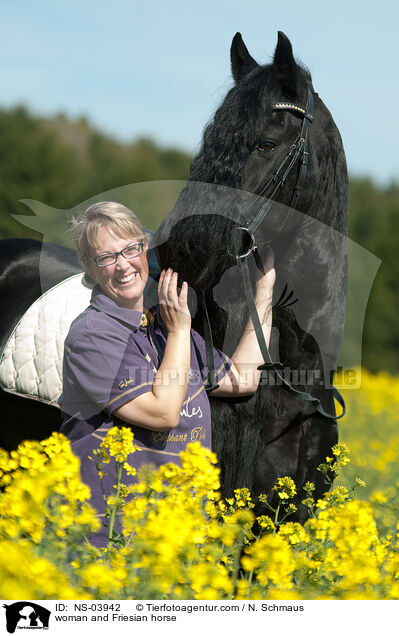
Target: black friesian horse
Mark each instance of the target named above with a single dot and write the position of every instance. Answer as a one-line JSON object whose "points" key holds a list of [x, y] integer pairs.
{"points": [[272, 433]]}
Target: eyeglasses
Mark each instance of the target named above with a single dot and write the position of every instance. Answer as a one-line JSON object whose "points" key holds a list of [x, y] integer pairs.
{"points": [[130, 252]]}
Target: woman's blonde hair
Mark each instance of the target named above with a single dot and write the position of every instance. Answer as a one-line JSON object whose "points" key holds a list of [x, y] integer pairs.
{"points": [[120, 219]]}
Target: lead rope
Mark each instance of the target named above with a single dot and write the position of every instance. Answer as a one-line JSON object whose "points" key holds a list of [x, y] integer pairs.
{"points": [[211, 380], [268, 362]]}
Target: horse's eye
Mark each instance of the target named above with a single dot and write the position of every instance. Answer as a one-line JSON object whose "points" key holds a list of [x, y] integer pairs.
{"points": [[266, 146]]}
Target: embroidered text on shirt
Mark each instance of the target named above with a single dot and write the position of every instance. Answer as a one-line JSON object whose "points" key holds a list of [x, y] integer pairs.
{"points": [[198, 434], [123, 383], [185, 412]]}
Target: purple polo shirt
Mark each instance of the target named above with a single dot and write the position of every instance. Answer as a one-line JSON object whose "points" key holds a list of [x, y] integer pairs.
{"points": [[109, 359]]}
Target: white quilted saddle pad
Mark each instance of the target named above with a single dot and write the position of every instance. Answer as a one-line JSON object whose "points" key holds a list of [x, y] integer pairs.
{"points": [[31, 362]]}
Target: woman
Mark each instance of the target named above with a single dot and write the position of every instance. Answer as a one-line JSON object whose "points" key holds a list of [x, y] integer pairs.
{"points": [[126, 364]]}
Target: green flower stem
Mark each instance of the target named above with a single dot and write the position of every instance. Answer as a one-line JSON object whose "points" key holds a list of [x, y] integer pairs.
{"points": [[250, 577], [276, 514], [287, 514], [115, 506], [99, 470], [237, 561]]}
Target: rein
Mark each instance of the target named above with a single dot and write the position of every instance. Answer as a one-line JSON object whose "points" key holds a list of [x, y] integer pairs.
{"points": [[299, 151]]}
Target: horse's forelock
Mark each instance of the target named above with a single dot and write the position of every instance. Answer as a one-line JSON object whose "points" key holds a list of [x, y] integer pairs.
{"points": [[237, 125], [230, 137]]}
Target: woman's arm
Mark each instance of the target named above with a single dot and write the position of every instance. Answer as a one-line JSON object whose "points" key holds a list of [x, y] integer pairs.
{"points": [[159, 409], [243, 375]]}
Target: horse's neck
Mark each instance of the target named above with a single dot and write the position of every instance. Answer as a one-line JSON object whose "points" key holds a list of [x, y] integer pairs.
{"points": [[329, 203], [315, 264]]}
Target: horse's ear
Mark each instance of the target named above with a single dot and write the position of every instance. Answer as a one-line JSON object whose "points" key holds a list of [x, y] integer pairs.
{"points": [[241, 61], [284, 66]]}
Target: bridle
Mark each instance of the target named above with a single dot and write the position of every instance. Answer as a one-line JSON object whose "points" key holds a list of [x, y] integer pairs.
{"points": [[298, 152]]}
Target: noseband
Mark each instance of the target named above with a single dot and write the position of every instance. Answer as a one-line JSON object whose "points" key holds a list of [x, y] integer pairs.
{"points": [[299, 151]]}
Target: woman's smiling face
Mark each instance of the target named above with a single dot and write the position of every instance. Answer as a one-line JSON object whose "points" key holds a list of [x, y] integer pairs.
{"points": [[125, 280]]}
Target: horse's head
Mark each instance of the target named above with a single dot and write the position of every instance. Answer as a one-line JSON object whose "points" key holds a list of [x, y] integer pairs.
{"points": [[248, 141]]}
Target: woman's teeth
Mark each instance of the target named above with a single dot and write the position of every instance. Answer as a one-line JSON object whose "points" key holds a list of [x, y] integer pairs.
{"points": [[127, 279]]}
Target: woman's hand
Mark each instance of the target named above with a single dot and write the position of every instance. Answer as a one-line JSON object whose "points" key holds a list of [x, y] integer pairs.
{"points": [[265, 275], [174, 309]]}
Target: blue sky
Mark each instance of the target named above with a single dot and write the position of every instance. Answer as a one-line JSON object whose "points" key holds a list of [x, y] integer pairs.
{"points": [[160, 69]]}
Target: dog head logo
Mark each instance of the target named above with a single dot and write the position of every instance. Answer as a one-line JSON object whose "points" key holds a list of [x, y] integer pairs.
{"points": [[26, 615]]}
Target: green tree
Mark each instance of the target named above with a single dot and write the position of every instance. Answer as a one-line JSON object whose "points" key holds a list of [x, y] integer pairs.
{"points": [[374, 223]]}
